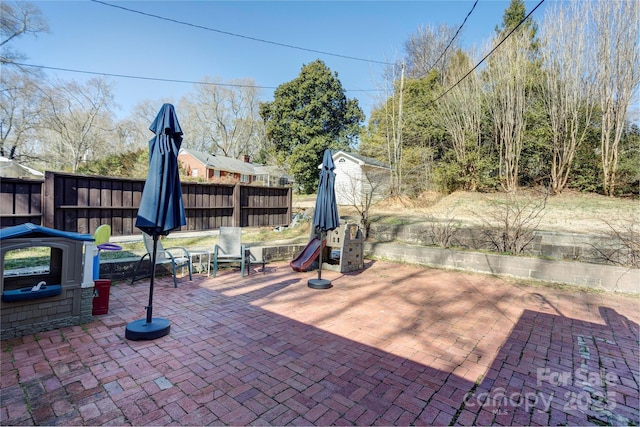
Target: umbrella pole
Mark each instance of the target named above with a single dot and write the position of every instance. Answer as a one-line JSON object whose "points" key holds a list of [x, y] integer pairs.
{"points": [[149, 328], [322, 237], [320, 283], [153, 276]]}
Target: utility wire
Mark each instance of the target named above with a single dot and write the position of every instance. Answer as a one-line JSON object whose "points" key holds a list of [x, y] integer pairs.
{"points": [[488, 54], [456, 34], [127, 76], [279, 44], [451, 41], [228, 33]]}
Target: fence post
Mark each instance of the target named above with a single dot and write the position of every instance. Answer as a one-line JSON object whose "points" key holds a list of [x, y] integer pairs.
{"points": [[289, 204], [48, 199], [236, 206]]}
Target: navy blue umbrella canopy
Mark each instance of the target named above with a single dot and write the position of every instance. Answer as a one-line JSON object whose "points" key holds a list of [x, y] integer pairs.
{"points": [[161, 208], [325, 215]]}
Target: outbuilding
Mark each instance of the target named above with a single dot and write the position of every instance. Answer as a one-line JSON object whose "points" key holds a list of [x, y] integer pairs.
{"points": [[360, 178]]}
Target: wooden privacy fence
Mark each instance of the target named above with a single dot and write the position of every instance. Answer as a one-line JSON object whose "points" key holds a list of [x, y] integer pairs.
{"points": [[20, 201], [80, 203]]}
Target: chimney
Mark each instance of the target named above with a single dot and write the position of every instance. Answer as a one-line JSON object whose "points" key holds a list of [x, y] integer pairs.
{"points": [[246, 159]]}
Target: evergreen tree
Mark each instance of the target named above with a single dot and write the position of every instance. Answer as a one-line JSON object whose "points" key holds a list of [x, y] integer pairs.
{"points": [[308, 115]]}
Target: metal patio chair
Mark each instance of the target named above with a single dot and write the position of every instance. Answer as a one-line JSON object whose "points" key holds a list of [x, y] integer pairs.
{"points": [[177, 256], [229, 249], [255, 255]]}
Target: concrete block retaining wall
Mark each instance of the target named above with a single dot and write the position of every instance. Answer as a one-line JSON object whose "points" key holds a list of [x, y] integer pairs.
{"points": [[610, 278], [555, 245]]}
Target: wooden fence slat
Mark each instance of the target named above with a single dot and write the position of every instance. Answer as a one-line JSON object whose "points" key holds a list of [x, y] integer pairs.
{"points": [[80, 203]]}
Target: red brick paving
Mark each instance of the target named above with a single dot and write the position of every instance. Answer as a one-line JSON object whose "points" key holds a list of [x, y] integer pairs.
{"points": [[394, 344]]}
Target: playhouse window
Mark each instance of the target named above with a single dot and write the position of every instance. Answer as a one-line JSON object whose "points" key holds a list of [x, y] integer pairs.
{"points": [[33, 260]]}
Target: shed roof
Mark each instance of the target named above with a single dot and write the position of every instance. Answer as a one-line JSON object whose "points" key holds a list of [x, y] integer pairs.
{"points": [[12, 169], [362, 159]]}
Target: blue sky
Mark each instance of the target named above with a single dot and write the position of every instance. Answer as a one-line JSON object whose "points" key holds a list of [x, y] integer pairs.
{"points": [[93, 37]]}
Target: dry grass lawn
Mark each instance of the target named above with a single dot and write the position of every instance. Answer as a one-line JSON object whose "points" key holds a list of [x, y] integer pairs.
{"points": [[571, 212]]}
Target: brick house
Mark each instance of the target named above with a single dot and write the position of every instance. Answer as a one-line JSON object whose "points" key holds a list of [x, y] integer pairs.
{"points": [[212, 168]]}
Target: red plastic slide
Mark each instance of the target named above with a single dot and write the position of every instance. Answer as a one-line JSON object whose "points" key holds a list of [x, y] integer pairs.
{"points": [[308, 255]]}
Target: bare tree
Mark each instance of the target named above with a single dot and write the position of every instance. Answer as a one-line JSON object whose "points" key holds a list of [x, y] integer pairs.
{"points": [[615, 33], [442, 231], [429, 48], [568, 86], [19, 95], [425, 51], [622, 243], [136, 125], [461, 112], [390, 126], [509, 223], [20, 109], [77, 120], [508, 74], [18, 19], [223, 118]]}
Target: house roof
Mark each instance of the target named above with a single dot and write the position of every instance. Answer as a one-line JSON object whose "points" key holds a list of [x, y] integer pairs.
{"points": [[220, 162], [362, 160], [12, 169], [271, 170]]}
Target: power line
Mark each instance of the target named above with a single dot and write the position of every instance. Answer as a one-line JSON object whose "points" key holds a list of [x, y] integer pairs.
{"points": [[127, 76], [488, 54], [451, 41], [456, 34], [228, 33]]}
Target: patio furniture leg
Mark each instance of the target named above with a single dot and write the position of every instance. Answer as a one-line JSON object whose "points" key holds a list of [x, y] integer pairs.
{"points": [[133, 279], [175, 282]]}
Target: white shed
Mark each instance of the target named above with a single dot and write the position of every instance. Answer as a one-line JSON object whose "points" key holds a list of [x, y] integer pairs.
{"points": [[359, 179]]}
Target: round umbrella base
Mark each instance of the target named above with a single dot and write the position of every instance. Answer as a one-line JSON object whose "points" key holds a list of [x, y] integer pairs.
{"points": [[141, 330], [319, 284]]}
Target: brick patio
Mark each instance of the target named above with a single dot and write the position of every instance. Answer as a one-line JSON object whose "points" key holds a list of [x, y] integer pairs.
{"points": [[395, 344]]}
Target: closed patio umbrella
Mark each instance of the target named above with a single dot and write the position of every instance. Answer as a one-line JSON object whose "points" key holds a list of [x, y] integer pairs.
{"points": [[325, 215], [161, 209]]}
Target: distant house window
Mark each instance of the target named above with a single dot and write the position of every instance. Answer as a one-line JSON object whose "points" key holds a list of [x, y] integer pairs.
{"points": [[194, 172], [216, 173], [283, 181], [244, 178]]}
